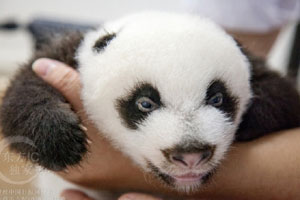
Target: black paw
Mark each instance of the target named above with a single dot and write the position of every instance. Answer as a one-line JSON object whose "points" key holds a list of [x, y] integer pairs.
{"points": [[54, 138]]}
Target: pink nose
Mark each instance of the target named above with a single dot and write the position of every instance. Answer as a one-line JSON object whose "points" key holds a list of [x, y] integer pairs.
{"points": [[191, 160]]}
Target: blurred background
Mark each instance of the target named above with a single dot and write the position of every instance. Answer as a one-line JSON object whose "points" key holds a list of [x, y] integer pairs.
{"points": [[17, 46], [268, 30]]}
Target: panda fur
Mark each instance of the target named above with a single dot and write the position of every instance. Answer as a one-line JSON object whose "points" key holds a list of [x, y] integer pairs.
{"points": [[171, 91]]}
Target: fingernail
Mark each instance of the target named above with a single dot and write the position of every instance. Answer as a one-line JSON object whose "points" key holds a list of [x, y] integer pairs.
{"points": [[126, 197], [74, 195], [43, 66]]}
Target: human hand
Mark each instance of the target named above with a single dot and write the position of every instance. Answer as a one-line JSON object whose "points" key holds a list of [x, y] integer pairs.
{"points": [[250, 171], [78, 195], [104, 167]]}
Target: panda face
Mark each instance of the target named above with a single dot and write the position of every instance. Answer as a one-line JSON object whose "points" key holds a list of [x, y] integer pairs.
{"points": [[167, 90]]}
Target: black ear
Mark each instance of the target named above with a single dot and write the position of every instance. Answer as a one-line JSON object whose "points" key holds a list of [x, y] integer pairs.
{"points": [[103, 41], [63, 47], [275, 104]]}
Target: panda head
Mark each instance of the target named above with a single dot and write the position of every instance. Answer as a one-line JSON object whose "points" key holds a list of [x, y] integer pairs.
{"points": [[168, 90]]}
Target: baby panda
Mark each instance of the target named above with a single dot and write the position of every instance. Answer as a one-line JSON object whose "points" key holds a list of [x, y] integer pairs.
{"points": [[170, 91]]}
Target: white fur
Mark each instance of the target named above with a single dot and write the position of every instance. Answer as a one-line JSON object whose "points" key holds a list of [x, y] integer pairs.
{"points": [[180, 55], [50, 186]]}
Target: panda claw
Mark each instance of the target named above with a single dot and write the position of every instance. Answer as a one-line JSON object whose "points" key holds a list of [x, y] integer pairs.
{"points": [[82, 127], [88, 141]]}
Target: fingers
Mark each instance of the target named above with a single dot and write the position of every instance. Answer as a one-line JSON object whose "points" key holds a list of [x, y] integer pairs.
{"points": [[137, 196], [62, 77], [74, 195], [78, 195]]}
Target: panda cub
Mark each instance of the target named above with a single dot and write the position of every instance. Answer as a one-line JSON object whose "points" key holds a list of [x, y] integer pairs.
{"points": [[171, 91]]}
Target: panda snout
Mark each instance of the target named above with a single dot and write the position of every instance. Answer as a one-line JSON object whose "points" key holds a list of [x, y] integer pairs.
{"points": [[190, 157]]}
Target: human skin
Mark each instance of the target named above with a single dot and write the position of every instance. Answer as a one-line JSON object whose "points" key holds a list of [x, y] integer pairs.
{"points": [[259, 44], [266, 168]]}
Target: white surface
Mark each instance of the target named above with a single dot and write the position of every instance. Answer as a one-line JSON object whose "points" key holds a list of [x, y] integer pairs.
{"points": [[15, 49], [279, 54]]}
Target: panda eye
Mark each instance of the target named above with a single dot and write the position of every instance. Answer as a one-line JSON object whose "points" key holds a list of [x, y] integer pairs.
{"points": [[145, 104], [216, 100]]}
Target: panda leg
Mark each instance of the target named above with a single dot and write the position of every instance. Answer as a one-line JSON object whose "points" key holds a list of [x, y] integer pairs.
{"points": [[275, 104], [39, 123]]}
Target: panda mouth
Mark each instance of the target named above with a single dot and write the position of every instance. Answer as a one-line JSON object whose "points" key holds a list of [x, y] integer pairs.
{"points": [[189, 179]]}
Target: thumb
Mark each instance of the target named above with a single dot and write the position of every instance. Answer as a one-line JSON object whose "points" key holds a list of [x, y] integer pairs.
{"points": [[72, 194], [137, 196], [62, 77]]}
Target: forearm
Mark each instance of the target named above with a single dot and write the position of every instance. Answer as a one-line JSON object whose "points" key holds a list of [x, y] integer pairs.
{"points": [[267, 168], [258, 44]]}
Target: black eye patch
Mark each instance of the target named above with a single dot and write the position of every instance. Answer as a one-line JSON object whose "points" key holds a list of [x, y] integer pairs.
{"points": [[103, 41], [128, 109], [229, 103]]}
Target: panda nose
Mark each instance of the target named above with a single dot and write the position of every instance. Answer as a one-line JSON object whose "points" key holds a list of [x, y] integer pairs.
{"points": [[191, 160]]}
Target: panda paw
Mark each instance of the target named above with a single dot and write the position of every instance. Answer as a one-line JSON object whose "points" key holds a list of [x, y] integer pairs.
{"points": [[58, 139]]}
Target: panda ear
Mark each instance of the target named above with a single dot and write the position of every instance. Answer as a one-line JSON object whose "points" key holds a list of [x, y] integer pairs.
{"points": [[103, 41], [242, 48], [275, 104], [63, 47], [239, 44]]}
